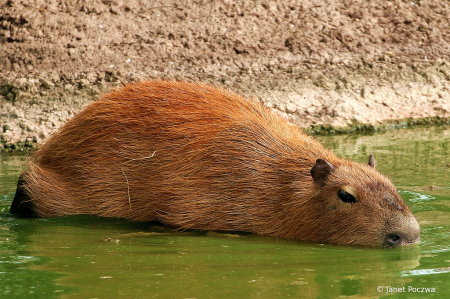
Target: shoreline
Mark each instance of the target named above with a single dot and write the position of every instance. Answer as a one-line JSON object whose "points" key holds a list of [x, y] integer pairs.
{"points": [[27, 148], [39, 107]]}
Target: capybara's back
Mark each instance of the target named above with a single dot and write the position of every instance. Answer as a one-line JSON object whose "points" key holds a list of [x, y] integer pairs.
{"points": [[197, 157]]}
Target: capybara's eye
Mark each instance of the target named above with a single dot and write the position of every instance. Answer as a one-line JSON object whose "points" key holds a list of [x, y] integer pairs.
{"points": [[346, 197]]}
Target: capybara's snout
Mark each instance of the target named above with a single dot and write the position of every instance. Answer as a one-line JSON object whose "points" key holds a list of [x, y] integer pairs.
{"points": [[407, 233]]}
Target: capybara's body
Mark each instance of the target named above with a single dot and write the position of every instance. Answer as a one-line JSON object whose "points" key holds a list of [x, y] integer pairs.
{"points": [[197, 157]]}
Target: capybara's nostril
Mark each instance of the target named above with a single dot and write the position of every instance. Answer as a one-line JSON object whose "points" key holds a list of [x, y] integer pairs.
{"points": [[393, 239]]}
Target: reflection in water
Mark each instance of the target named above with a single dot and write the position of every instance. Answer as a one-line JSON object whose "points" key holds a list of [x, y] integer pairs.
{"points": [[415, 196], [88, 257], [17, 276], [427, 271], [103, 257]]}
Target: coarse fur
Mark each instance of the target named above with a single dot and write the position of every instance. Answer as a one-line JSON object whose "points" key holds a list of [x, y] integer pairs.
{"points": [[193, 156]]}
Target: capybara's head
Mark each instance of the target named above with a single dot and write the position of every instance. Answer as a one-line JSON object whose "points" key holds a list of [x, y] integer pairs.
{"points": [[360, 206]]}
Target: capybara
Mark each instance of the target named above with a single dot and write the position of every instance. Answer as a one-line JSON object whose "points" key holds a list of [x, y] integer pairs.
{"points": [[193, 156]]}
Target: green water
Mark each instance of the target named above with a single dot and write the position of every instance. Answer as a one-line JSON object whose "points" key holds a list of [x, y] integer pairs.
{"points": [[88, 257]]}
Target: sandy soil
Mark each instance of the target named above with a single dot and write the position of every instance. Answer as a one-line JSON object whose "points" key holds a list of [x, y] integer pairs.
{"points": [[326, 65]]}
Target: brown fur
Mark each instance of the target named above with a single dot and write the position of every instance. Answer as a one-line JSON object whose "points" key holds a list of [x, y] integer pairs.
{"points": [[197, 157]]}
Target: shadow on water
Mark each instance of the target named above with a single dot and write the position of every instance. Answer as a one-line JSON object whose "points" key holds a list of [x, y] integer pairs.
{"points": [[89, 257]]}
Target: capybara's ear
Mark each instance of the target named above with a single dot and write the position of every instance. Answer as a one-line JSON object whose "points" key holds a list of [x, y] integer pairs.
{"points": [[321, 170], [371, 161]]}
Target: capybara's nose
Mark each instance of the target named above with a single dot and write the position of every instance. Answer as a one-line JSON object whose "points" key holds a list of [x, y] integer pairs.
{"points": [[408, 233]]}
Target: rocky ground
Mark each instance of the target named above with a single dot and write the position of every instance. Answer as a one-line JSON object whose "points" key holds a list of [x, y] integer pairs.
{"points": [[326, 65]]}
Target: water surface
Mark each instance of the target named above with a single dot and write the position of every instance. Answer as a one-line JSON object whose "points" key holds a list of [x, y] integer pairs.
{"points": [[88, 257]]}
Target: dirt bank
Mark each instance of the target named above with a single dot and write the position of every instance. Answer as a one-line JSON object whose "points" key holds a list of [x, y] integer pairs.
{"points": [[335, 64]]}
